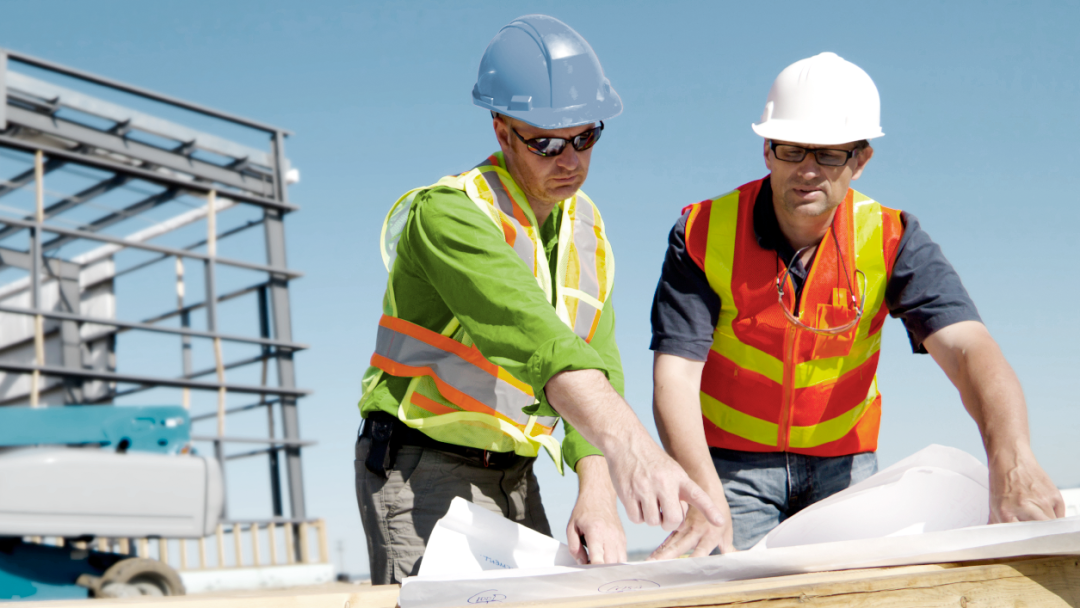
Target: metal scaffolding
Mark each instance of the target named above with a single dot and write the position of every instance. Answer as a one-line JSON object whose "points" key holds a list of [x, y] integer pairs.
{"points": [[86, 167]]}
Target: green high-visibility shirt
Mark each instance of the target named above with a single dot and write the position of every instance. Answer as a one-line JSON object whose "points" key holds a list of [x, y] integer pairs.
{"points": [[452, 261]]}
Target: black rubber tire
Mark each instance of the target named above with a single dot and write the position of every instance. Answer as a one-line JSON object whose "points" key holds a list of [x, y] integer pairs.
{"points": [[139, 571]]}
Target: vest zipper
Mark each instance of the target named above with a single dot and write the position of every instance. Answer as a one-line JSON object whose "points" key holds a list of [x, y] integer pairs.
{"points": [[787, 394]]}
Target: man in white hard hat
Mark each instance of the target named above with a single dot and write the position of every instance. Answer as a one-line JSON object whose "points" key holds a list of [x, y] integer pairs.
{"points": [[498, 322], [767, 326]]}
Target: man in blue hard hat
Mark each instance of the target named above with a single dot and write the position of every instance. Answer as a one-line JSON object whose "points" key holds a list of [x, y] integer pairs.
{"points": [[498, 322]]}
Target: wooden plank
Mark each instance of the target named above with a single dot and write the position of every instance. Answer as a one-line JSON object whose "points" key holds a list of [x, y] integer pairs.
{"points": [[1032, 583], [1042, 582]]}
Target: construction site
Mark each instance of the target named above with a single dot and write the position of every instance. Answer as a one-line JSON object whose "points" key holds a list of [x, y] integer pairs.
{"points": [[204, 317], [143, 261]]}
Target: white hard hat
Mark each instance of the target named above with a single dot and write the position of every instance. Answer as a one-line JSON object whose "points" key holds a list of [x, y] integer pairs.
{"points": [[822, 100]]}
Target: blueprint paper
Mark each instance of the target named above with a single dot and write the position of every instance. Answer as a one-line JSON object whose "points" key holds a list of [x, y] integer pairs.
{"points": [[938, 488], [1057, 537], [929, 508], [469, 540]]}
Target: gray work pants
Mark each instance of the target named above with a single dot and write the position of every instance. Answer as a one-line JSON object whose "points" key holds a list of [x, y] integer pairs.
{"points": [[400, 512]]}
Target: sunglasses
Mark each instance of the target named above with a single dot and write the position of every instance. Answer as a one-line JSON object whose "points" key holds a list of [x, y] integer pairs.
{"points": [[554, 146]]}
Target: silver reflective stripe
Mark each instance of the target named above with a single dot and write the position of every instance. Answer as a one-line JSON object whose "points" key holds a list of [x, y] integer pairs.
{"points": [[586, 314], [523, 245], [493, 392], [586, 243]]}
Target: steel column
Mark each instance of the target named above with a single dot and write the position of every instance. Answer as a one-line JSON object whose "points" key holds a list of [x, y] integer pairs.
{"points": [[275, 467], [279, 305]]}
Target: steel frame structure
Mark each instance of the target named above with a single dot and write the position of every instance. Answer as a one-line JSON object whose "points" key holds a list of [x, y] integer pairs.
{"points": [[64, 128]]}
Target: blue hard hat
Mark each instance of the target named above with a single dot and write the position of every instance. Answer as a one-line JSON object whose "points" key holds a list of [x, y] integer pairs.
{"points": [[539, 70]]}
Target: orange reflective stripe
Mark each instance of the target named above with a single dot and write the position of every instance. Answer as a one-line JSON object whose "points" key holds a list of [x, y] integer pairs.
{"points": [[431, 338], [450, 345], [431, 405], [409, 371]]}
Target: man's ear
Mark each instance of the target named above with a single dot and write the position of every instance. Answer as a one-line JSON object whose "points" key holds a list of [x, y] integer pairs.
{"points": [[768, 159], [502, 131], [860, 161]]}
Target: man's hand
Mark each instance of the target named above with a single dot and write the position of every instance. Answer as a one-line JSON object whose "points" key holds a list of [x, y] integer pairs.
{"points": [[1021, 491], [697, 536], [596, 517], [1019, 488], [652, 486]]}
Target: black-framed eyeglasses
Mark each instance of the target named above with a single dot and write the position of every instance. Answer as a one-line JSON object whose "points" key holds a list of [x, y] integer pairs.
{"points": [[826, 157], [554, 146]]}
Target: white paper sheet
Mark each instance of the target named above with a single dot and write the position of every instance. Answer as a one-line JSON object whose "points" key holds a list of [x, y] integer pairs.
{"points": [[470, 539], [938, 488], [906, 514], [1057, 537]]}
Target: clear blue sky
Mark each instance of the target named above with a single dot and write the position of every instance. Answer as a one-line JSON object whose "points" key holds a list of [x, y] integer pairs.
{"points": [[979, 107]]}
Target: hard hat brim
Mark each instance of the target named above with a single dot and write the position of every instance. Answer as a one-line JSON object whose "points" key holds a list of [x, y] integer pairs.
{"points": [[561, 118], [800, 132]]}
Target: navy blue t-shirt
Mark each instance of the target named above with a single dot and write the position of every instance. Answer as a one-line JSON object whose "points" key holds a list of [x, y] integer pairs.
{"points": [[924, 290]]}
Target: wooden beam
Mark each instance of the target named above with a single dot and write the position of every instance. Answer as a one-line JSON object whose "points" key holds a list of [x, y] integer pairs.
{"points": [[1033, 583], [1039, 582]]}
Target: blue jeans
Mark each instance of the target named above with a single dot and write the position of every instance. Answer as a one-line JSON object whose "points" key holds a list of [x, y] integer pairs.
{"points": [[765, 488]]}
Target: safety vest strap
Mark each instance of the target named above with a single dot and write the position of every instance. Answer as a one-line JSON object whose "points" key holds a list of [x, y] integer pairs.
{"points": [[587, 275], [462, 374]]}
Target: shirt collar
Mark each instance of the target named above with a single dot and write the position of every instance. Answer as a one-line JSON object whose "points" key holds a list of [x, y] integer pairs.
{"points": [[767, 227]]}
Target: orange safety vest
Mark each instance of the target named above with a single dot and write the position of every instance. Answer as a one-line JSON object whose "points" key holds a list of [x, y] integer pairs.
{"points": [[768, 385], [457, 395]]}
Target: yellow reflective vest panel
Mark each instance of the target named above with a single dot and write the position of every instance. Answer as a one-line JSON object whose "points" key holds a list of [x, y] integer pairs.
{"points": [[456, 394]]}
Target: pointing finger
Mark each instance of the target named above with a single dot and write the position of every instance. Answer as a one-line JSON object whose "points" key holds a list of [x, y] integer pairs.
{"points": [[692, 494]]}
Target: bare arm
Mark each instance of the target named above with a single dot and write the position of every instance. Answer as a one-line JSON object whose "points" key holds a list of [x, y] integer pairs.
{"points": [[1019, 488], [650, 484], [596, 516], [677, 409]]}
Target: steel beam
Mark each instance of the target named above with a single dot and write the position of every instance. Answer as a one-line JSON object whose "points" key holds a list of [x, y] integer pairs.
{"points": [[87, 136], [82, 234], [90, 374], [69, 202], [141, 92], [3, 89], [162, 179], [191, 307], [234, 410], [56, 267], [53, 314], [26, 177], [270, 441], [128, 212]]}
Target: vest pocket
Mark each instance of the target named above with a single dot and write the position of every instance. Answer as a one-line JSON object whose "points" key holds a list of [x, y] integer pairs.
{"points": [[833, 315]]}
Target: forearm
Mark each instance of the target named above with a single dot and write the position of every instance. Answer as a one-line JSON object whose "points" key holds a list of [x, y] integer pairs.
{"points": [[594, 480], [1020, 489], [587, 400], [988, 386], [677, 411]]}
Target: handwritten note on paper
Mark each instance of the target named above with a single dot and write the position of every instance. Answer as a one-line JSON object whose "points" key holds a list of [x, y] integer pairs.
{"points": [[627, 584], [488, 596]]}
